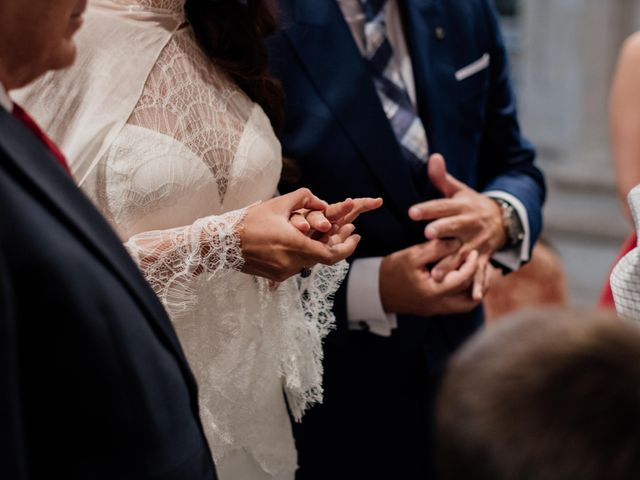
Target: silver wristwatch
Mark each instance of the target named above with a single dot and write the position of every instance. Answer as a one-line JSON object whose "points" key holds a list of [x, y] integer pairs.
{"points": [[513, 228]]}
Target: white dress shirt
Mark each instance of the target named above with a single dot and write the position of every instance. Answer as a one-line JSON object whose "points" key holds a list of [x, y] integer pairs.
{"points": [[364, 306], [5, 101]]}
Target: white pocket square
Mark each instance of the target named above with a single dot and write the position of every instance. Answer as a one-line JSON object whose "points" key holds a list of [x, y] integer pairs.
{"points": [[473, 68]]}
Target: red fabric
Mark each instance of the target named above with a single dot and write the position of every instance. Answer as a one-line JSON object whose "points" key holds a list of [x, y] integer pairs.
{"points": [[30, 123], [606, 296]]}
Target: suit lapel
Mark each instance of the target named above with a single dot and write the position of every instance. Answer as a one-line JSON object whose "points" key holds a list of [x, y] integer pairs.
{"points": [[52, 185], [326, 46], [421, 18], [427, 31]]}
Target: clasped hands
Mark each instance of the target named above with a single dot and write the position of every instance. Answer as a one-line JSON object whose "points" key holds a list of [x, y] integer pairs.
{"points": [[289, 233], [450, 272]]}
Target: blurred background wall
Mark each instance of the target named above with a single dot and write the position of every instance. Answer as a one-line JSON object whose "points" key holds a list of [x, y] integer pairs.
{"points": [[563, 56]]}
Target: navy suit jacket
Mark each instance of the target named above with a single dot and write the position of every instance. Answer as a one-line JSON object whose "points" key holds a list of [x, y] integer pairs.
{"points": [[93, 381], [338, 133]]}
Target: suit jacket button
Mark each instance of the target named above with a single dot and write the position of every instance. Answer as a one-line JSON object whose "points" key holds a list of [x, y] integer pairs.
{"points": [[440, 33], [364, 325]]}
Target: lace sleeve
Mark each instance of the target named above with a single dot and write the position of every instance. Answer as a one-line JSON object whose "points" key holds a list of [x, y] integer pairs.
{"points": [[308, 320], [174, 260]]}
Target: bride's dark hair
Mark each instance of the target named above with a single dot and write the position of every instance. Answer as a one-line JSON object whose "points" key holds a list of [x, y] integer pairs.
{"points": [[231, 33]]}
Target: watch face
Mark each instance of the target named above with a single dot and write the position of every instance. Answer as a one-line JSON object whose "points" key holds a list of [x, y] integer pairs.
{"points": [[512, 225], [516, 232]]}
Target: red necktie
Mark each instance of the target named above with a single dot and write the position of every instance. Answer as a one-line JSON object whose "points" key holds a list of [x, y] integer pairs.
{"points": [[28, 122]]}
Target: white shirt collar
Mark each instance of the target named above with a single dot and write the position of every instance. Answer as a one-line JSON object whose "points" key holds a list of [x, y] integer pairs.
{"points": [[5, 101]]}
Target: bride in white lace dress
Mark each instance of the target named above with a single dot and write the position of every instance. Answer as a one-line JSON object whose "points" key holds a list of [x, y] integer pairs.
{"points": [[173, 153]]}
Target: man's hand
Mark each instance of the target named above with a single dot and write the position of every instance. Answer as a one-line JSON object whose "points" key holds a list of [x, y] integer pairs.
{"points": [[464, 214], [407, 287], [274, 248]]}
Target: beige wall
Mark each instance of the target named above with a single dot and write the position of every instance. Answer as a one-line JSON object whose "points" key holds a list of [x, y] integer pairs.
{"points": [[567, 54]]}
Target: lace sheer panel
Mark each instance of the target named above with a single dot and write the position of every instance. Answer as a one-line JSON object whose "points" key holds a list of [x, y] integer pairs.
{"points": [[172, 260], [191, 132], [302, 369], [188, 99], [147, 180], [248, 341], [176, 6]]}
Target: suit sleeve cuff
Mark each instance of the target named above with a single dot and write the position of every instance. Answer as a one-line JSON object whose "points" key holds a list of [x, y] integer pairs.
{"points": [[515, 257], [364, 306]]}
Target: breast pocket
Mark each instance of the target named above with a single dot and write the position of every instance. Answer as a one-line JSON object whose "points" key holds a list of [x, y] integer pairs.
{"points": [[472, 79], [471, 85], [473, 68]]}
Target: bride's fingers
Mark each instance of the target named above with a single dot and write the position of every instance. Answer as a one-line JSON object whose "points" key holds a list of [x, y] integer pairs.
{"points": [[348, 211], [362, 205], [318, 221], [337, 211], [341, 235], [299, 221], [301, 198], [340, 215], [343, 250], [324, 237], [340, 246]]}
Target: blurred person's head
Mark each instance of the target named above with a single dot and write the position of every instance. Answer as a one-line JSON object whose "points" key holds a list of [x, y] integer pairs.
{"points": [[549, 395], [36, 36]]}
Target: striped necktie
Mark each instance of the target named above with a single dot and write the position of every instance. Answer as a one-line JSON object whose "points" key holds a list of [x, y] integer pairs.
{"points": [[390, 86]]}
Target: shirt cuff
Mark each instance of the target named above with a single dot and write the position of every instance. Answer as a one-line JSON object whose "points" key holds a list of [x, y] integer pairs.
{"points": [[514, 258], [364, 306]]}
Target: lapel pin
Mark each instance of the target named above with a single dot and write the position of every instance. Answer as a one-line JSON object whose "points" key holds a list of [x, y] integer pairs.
{"points": [[440, 33]]}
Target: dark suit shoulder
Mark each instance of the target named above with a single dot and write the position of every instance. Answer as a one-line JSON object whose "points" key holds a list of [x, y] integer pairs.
{"points": [[85, 366]]}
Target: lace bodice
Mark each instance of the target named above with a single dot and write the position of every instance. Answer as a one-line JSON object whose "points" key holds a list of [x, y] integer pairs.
{"points": [[201, 147], [187, 99], [176, 6], [192, 135], [175, 183]]}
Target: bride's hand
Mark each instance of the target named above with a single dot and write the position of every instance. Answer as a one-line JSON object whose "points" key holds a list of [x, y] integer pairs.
{"points": [[321, 224], [274, 248], [348, 211]]}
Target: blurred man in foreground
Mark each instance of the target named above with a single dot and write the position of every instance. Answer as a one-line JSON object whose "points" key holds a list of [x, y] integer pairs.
{"points": [[547, 395]]}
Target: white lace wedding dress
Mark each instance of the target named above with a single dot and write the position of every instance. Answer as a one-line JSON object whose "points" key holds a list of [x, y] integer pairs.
{"points": [[174, 174]]}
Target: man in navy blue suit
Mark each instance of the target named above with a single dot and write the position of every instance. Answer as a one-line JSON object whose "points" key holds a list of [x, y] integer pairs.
{"points": [[374, 88], [93, 381]]}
